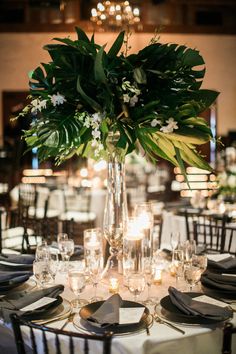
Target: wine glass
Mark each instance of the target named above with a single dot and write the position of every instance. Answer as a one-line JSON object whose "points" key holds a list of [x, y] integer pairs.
{"points": [[178, 264], [95, 267], [53, 263], [148, 271], [66, 248], [42, 251], [77, 282], [192, 275], [200, 261], [41, 273], [174, 240], [189, 250], [136, 284]]}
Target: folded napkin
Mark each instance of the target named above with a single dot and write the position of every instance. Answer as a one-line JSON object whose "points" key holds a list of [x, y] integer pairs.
{"points": [[108, 312], [191, 307], [15, 302], [219, 281], [226, 264], [11, 277], [17, 258]]}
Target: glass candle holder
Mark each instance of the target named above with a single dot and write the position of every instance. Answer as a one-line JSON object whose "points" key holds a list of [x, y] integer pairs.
{"points": [[113, 285], [93, 244], [132, 248], [157, 276]]}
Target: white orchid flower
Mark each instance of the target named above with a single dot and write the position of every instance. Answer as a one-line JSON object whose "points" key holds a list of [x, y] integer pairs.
{"points": [[133, 101], [57, 99], [154, 122], [126, 98], [96, 134]]}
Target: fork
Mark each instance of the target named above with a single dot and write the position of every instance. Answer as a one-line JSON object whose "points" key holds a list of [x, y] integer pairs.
{"points": [[161, 321], [69, 319]]}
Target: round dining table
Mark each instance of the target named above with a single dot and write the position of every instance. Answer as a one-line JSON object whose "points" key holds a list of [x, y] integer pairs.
{"points": [[160, 339]]}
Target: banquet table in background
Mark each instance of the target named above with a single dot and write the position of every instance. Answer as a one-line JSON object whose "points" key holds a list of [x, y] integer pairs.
{"points": [[198, 339]]}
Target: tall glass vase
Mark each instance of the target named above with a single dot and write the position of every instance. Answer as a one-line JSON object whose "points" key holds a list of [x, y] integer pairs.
{"points": [[116, 212]]}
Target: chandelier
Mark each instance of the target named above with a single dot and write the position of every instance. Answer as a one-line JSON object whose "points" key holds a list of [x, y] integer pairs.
{"points": [[115, 14]]}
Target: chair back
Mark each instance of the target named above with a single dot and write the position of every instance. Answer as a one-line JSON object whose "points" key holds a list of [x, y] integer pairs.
{"points": [[201, 218], [228, 331], [43, 339], [215, 238]]}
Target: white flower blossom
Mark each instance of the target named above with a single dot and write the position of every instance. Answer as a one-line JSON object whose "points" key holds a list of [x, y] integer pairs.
{"points": [[37, 105], [166, 129], [57, 99], [133, 100], [87, 122], [96, 134], [172, 124], [96, 117], [154, 122], [126, 98]]}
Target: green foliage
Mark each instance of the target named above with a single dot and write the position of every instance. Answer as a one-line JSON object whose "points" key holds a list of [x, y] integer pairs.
{"points": [[152, 99]]}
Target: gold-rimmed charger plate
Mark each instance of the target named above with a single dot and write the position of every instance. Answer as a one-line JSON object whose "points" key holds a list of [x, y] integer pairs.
{"points": [[56, 314], [85, 327]]}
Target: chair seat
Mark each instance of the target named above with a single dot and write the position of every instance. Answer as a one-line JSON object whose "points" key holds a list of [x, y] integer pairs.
{"points": [[16, 242], [40, 213], [15, 232], [78, 216]]}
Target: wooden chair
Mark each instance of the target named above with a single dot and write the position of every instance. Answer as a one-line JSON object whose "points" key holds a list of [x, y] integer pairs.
{"points": [[228, 332], [192, 216], [215, 238], [76, 342]]}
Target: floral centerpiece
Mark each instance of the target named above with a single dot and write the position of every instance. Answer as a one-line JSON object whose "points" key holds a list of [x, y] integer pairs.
{"points": [[151, 100], [227, 182]]}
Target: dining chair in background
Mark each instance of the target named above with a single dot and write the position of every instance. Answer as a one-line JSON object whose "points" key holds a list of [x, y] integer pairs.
{"points": [[228, 332], [215, 238], [74, 340], [192, 216]]}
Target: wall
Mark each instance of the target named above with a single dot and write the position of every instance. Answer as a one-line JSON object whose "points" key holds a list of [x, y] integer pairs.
{"points": [[22, 52]]}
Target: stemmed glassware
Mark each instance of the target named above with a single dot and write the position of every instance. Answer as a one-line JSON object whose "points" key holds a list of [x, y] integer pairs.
{"points": [[136, 284], [192, 275], [53, 263], [178, 264], [42, 251], [77, 283], [200, 261], [66, 248], [148, 271], [175, 240], [189, 250], [95, 267], [42, 273]]}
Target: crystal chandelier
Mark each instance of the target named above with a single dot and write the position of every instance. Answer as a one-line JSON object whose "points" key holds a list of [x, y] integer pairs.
{"points": [[115, 14]]}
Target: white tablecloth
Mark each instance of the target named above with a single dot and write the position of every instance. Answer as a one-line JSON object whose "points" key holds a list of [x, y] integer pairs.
{"points": [[162, 339]]}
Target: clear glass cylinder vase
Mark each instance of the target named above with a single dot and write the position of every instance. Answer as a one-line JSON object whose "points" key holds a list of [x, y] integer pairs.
{"points": [[116, 212]]}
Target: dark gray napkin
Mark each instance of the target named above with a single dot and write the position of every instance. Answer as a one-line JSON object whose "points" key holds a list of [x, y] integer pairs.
{"points": [[17, 258], [108, 312], [191, 307], [11, 277], [219, 281], [14, 302], [225, 264]]}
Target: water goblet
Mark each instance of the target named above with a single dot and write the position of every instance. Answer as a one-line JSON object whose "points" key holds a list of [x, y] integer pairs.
{"points": [[42, 251], [77, 282], [192, 275], [42, 273], [66, 248], [200, 261], [53, 263], [136, 284]]}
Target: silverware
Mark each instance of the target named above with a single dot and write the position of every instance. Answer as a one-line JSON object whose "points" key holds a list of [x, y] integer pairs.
{"points": [[161, 321], [69, 319]]}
